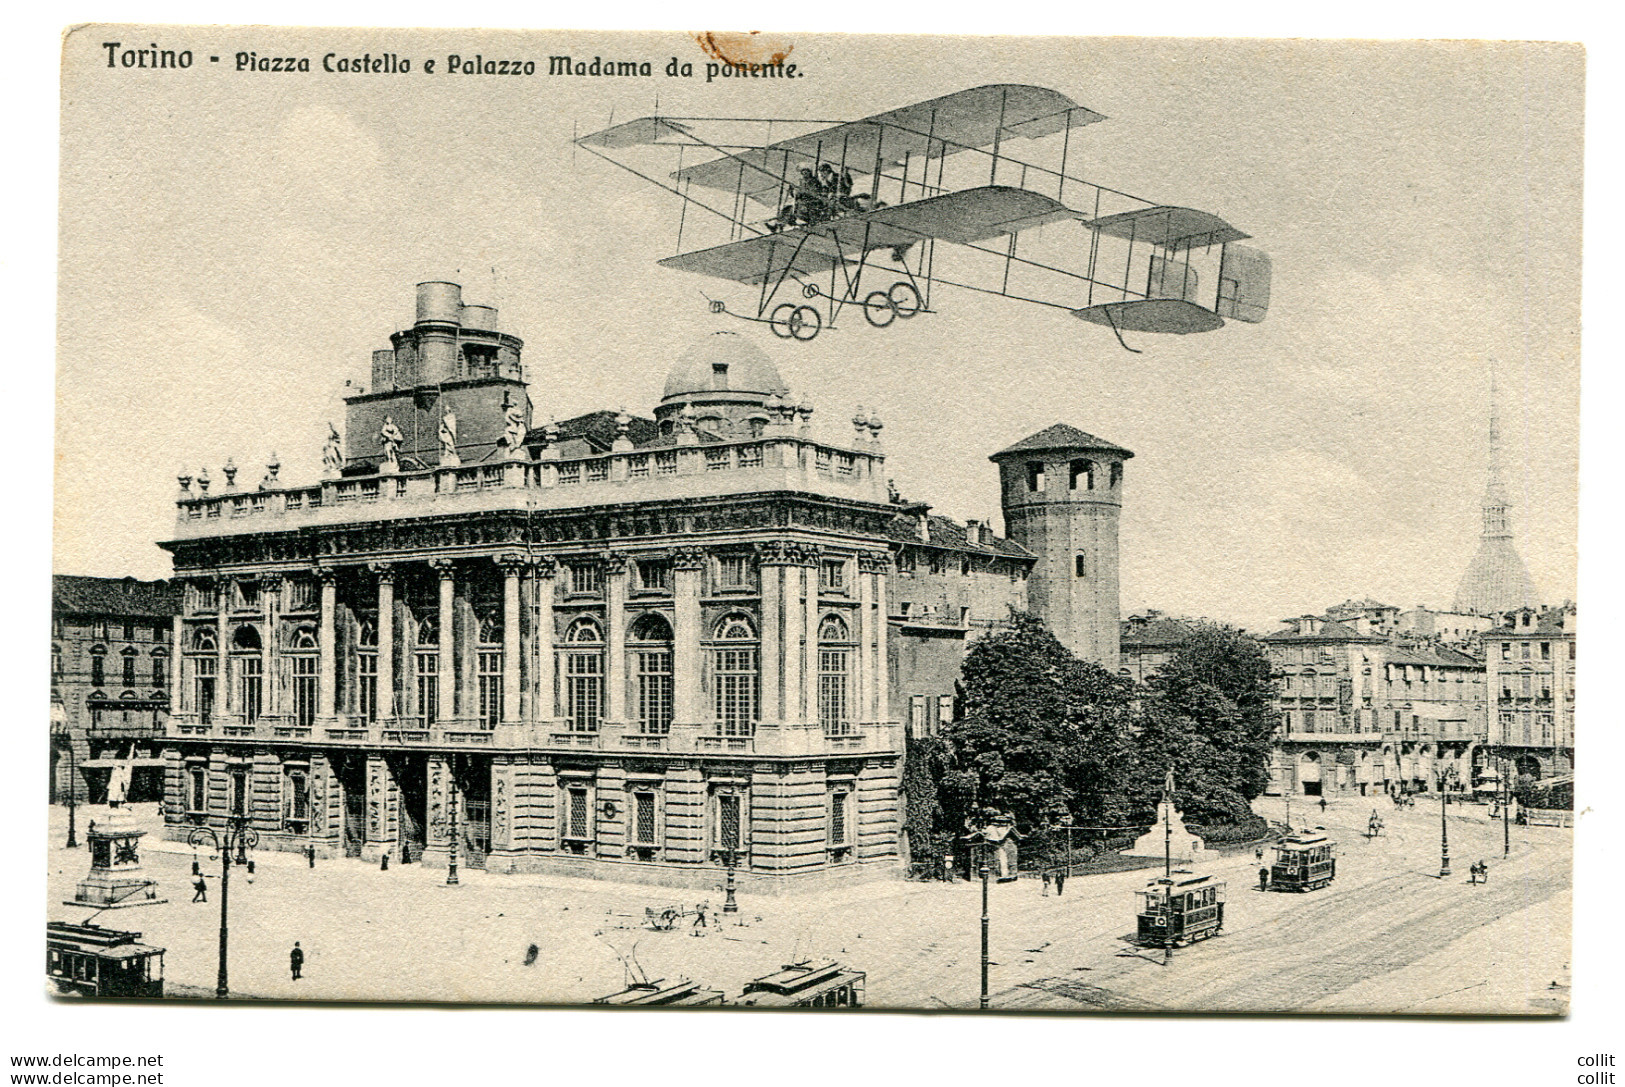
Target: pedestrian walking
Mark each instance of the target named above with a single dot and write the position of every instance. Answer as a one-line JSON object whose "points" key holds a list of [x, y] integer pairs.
{"points": [[1047, 878], [1263, 879], [200, 890], [310, 854], [1323, 805], [699, 916], [296, 960], [1060, 880]]}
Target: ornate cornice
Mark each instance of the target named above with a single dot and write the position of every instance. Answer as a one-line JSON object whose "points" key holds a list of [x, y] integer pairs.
{"points": [[545, 567], [511, 562], [688, 558], [324, 573], [774, 553], [446, 568], [383, 571], [614, 563], [875, 562]]}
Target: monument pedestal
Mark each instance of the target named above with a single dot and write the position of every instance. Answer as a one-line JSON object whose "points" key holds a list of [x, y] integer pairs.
{"points": [[115, 879], [1168, 836]]}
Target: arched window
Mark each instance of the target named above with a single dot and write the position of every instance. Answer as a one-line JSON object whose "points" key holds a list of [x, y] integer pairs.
{"points": [[1081, 475], [488, 631], [203, 640], [651, 637], [246, 638], [302, 653], [738, 679], [834, 657], [584, 675], [1080, 565], [366, 670]]}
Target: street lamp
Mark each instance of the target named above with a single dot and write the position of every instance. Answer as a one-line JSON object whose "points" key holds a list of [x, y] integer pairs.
{"points": [[449, 825], [239, 838], [1447, 774], [982, 848], [59, 722], [730, 859]]}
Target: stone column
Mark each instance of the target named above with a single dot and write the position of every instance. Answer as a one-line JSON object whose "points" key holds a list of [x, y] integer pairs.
{"points": [[615, 637], [223, 700], [271, 599], [795, 619], [512, 565], [385, 572], [327, 665], [687, 565], [809, 669], [178, 700], [772, 559], [446, 684], [543, 704], [864, 709]]}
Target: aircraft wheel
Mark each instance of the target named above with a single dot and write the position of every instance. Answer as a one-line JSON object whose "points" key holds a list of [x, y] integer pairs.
{"points": [[804, 323], [905, 299], [810, 290], [879, 310], [781, 320]]}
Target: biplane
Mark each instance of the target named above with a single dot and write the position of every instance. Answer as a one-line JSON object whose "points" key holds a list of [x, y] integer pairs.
{"points": [[874, 214]]}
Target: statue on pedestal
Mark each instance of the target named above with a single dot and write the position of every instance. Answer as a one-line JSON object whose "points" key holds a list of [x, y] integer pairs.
{"points": [[391, 437], [332, 452], [513, 426], [448, 440]]}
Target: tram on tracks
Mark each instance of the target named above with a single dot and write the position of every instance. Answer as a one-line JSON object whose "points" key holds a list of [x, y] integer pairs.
{"points": [[88, 960], [1304, 861], [681, 993], [822, 984], [1178, 911]]}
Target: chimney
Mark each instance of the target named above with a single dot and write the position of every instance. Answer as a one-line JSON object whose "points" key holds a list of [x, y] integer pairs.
{"points": [[973, 533]]}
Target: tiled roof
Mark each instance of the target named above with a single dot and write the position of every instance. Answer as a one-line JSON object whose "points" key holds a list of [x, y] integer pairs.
{"points": [[597, 428], [1330, 631], [113, 596], [1159, 631], [1547, 622], [950, 534], [1061, 436], [1432, 656]]}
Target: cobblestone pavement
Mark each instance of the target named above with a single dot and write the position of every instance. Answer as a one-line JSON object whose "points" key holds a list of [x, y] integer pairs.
{"points": [[1388, 935]]}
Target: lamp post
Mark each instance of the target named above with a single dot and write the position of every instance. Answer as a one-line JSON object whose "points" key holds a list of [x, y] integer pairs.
{"points": [[730, 860], [1446, 774], [239, 837], [449, 824], [981, 849], [59, 727], [1506, 808]]}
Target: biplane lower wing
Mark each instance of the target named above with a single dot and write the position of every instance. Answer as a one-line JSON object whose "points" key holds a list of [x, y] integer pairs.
{"points": [[1171, 315], [971, 215]]}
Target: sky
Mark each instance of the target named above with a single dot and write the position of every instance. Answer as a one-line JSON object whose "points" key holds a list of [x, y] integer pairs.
{"points": [[232, 247]]}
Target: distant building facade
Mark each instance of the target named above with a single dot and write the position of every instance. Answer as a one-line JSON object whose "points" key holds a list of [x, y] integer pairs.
{"points": [[635, 648], [1529, 656], [111, 653]]}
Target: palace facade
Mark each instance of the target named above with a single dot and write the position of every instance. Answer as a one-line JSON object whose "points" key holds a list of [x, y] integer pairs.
{"points": [[634, 648]]}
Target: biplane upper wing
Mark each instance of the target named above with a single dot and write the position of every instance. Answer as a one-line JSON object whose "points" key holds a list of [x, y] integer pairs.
{"points": [[970, 215], [1176, 228], [954, 122], [638, 133]]}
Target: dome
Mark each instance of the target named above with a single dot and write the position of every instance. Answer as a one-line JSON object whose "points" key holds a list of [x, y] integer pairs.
{"points": [[724, 361]]}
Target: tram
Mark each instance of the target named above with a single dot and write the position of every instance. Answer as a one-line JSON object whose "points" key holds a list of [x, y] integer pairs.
{"points": [[1303, 862], [87, 960], [822, 984], [1176, 912], [681, 993]]}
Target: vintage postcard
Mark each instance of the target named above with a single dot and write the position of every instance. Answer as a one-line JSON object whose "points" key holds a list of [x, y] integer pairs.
{"points": [[816, 521]]}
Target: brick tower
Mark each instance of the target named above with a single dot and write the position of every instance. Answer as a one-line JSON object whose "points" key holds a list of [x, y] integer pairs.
{"points": [[1062, 491]]}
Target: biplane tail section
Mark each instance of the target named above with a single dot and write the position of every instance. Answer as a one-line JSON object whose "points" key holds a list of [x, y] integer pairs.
{"points": [[638, 133], [1244, 284]]}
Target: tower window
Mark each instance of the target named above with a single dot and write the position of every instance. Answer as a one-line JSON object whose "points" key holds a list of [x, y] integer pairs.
{"points": [[719, 375], [1116, 473], [1080, 567], [1035, 476], [1082, 476]]}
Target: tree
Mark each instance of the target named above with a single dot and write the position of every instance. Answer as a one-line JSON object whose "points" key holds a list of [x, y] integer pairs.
{"points": [[1042, 736], [1209, 714]]}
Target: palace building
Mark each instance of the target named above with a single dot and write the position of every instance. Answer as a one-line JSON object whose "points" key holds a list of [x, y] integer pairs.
{"points": [[615, 646]]}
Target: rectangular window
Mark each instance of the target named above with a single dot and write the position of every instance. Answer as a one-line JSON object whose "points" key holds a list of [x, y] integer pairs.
{"points": [[832, 576], [129, 631], [248, 595], [576, 825], [366, 692], [1309, 720], [1080, 565], [916, 715], [197, 794], [204, 677], [1525, 649], [728, 823], [161, 633], [303, 595], [490, 676], [833, 711], [252, 684], [304, 691], [1545, 651], [427, 673], [98, 672], [736, 691], [643, 818], [654, 575], [733, 572], [654, 692], [586, 578], [296, 800], [583, 690], [1035, 476], [945, 709], [1506, 651], [237, 799], [129, 672], [838, 830]]}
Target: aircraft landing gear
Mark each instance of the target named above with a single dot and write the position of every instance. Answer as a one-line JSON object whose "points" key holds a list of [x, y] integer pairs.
{"points": [[881, 308], [790, 321]]}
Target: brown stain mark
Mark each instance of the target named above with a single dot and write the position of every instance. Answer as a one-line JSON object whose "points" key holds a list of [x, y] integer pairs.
{"points": [[741, 49]]}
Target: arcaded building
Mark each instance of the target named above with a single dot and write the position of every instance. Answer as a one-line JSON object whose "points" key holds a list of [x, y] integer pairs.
{"points": [[629, 647]]}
